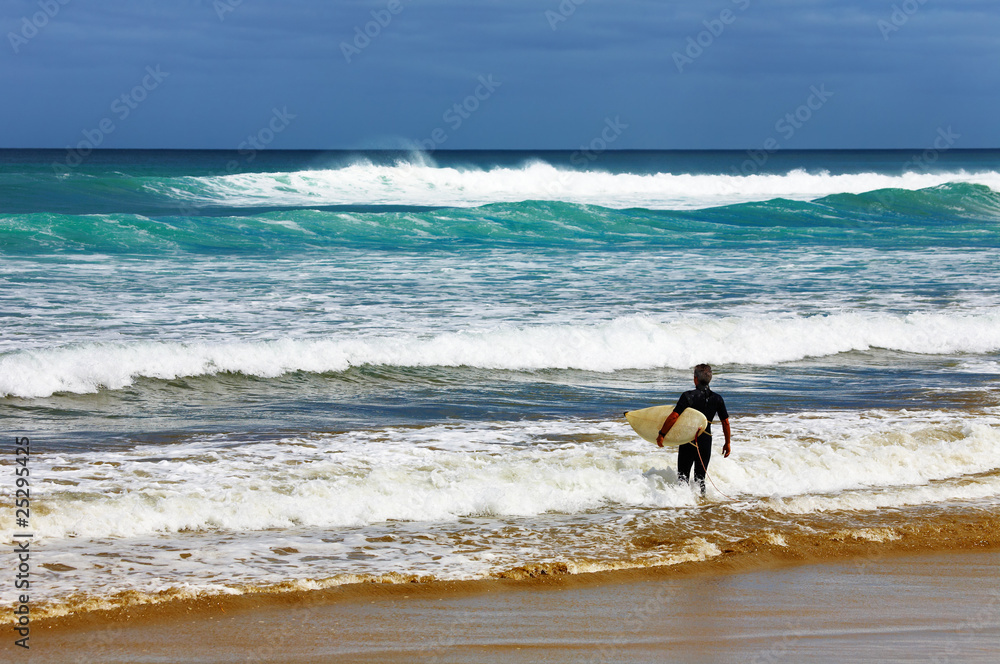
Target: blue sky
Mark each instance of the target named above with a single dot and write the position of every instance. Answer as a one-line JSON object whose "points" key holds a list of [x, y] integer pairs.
{"points": [[492, 74]]}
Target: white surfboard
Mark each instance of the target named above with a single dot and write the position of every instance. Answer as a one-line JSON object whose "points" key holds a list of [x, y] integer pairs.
{"points": [[647, 423]]}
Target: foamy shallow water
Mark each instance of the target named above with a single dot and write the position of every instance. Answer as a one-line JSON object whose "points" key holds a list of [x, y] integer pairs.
{"points": [[218, 514]]}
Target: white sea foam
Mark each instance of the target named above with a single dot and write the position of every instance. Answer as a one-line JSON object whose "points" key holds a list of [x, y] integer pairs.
{"points": [[815, 462], [467, 500], [624, 343], [801, 463], [347, 480], [422, 184]]}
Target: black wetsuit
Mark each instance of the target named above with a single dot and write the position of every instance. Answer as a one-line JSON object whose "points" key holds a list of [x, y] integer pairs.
{"points": [[710, 404]]}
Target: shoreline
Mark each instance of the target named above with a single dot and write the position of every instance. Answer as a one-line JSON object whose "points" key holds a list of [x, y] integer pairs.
{"points": [[971, 531], [781, 608]]}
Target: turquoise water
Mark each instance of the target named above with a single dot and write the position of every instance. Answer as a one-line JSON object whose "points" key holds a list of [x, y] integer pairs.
{"points": [[205, 336]]}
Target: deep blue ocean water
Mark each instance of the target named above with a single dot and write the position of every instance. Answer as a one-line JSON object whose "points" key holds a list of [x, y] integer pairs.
{"points": [[323, 347]]}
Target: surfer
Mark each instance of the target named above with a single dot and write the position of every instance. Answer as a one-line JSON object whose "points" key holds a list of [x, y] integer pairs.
{"points": [[710, 404]]}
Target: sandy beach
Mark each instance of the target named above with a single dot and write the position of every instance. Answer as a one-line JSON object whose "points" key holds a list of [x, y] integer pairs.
{"points": [[899, 608]]}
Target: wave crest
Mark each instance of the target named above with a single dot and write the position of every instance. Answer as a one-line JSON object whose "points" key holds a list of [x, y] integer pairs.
{"points": [[424, 185], [625, 343]]}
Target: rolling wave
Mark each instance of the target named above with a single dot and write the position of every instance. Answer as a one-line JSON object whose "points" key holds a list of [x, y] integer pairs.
{"points": [[365, 185], [948, 213], [417, 184], [625, 343]]}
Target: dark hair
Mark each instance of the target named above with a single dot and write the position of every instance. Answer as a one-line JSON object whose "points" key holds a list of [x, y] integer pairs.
{"points": [[703, 374]]}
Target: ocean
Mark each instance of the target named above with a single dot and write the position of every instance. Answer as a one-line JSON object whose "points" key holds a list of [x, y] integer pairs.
{"points": [[279, 371]]}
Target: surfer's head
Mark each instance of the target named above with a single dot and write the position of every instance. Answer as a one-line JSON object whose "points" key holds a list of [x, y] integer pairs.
{"points": [[703, 375]]}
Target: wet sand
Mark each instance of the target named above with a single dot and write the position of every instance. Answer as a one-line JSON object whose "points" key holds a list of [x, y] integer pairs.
{"points": [[929, 607]]}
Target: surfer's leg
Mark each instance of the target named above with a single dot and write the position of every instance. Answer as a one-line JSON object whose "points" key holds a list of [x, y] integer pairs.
{"points": [[686, 457], [705, 451]]}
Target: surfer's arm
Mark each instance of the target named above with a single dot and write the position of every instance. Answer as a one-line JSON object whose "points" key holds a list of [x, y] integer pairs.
{"points": [[726, 431], [669, 422]]}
